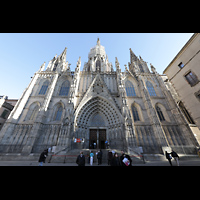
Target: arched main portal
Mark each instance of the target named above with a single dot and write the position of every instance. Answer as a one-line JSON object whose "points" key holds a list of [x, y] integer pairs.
{"points": [[98, 121], [97, 131]]}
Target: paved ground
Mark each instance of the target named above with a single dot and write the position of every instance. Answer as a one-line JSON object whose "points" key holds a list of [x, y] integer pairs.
{"points": [[190, 162]]}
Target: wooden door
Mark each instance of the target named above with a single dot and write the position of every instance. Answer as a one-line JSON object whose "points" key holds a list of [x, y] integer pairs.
{"points": [[93, 138], [102, 138]]}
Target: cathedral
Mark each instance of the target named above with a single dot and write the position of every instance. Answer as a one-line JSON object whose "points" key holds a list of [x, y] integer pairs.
{"points": [[99, 103]]}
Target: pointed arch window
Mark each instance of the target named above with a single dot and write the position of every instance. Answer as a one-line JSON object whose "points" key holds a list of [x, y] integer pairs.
{"points": [[64, 90], [130, 91], [160, 114], [150, 89], [34, 112], [135, 114], [58, 113], [44, 88]]}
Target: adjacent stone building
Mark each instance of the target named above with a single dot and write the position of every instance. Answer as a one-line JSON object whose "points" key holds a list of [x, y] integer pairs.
{"points": [[6, 106], [128, 109], [183, 73]]}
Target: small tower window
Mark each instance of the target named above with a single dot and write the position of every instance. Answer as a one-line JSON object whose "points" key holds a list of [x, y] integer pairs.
{"points": [[181, 65], [98, 65]]}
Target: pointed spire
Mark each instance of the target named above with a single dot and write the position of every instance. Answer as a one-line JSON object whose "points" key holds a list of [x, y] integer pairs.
{"points": [[116, 61], [117, 64], [42, 67], [79, 61], [78, 65], [133, 56], [153, 69], [63, 54], [98, 42]]}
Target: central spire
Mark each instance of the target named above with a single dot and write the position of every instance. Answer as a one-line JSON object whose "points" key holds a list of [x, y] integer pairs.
{"points": [[98, 42]]}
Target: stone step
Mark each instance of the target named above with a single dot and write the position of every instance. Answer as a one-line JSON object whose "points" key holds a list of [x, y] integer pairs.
{"points": [[70, 157]]}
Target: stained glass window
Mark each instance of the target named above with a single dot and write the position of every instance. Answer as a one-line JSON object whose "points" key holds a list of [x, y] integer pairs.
{"points": [[64, 90], [130, 91], [150, 89], [58, 114], [44, 88], [135, 114]]}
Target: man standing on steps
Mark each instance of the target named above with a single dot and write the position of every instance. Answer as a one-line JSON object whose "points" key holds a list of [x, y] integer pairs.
{"points": [[80, 159], [99, 157]]}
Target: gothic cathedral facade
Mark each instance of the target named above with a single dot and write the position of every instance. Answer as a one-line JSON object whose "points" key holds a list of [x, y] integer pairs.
{"points": [[129, 109]]}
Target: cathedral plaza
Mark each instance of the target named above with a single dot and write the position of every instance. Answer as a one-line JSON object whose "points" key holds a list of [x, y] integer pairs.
{"points": [[98, 107]]}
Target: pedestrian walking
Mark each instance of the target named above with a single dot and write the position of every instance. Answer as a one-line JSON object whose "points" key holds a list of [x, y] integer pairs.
{"points": [[99, 157], [91, 158], [80, 159], [115, 160], [176, 157], [168, 157], [42, 158]]}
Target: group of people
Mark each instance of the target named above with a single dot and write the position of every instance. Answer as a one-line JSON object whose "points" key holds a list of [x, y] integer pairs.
{"points": [[81, 158], [171, 155], [113, 158]]}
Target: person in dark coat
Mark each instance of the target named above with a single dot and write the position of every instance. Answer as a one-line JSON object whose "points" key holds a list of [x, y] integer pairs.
{"points": [[42, 158], [115, 160], [168, 157], [175, 156], [125, 156], [109, 157], [80, 159], [99, 157]]}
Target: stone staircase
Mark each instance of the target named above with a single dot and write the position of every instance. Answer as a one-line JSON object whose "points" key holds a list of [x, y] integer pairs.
{"points": [[71, 156]]}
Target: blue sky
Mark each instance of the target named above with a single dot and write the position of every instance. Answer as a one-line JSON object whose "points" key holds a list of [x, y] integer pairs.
{"points": [[21, 54]]}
